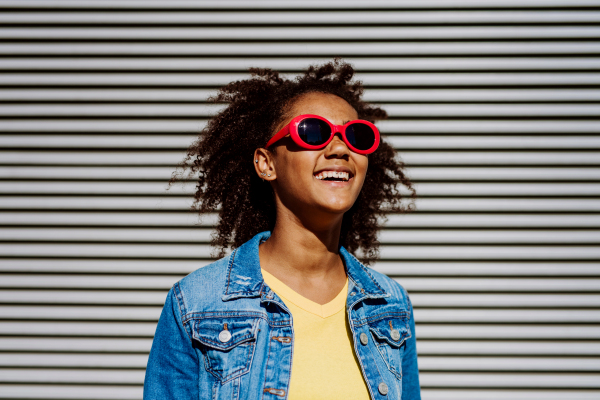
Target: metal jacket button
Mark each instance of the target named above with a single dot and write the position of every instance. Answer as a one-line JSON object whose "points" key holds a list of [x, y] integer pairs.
{"points": [[225, 335], [395, 334], [383, 388], [364, 339]]}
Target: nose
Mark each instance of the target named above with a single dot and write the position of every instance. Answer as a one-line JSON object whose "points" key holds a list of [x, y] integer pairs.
{"points": [[337, 148]]}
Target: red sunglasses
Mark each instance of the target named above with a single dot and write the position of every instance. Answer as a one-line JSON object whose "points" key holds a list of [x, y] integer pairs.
{"points": [[313, 132]]}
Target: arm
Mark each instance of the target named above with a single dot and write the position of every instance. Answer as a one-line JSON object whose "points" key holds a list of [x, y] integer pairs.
{"points": [[410, 370], [172, 371]]}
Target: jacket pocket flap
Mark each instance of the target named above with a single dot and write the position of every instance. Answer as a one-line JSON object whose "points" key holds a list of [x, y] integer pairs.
{"points": [[224, 333], [393, 329]]}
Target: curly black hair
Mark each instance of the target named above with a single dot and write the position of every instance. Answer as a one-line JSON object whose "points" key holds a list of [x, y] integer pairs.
{"points": [[222, 158]]}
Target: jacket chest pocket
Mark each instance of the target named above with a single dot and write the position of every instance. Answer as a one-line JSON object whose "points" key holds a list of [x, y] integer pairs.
{"points": [[227, 344], [389, 334]]}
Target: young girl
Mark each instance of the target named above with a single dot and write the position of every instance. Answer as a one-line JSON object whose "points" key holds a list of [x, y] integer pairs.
{"points": [[299, 176]]}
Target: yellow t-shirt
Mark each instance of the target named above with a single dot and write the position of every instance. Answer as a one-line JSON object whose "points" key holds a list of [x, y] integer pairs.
{"points": [[323, 365]]}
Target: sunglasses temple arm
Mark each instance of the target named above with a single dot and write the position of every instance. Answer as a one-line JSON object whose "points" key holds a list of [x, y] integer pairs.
{"points": [[279, 135]]}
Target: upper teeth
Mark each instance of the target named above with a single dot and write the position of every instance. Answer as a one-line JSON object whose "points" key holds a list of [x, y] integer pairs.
{"points": [[333, 174]]}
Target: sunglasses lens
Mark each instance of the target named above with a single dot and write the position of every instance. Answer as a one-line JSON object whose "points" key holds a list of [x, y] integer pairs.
{"points": [[361, 136], [314, 131]]}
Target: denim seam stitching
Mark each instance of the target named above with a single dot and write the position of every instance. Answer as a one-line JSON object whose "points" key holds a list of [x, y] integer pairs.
{"points": [[182, 310], [365, 269], [399, 376]]}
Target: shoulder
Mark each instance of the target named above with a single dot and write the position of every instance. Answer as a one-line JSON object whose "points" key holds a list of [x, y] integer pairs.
{"points": [[396, 291], [203, 286]]}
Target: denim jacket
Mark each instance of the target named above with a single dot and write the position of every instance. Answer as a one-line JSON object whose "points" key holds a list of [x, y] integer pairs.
{"points": [[224, 334]]}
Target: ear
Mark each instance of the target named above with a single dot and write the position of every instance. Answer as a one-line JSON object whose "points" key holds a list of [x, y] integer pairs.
{"points": [[264, 164]]}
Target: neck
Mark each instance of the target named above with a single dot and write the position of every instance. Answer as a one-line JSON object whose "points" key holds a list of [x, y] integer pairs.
{"points": [[307, 260]]}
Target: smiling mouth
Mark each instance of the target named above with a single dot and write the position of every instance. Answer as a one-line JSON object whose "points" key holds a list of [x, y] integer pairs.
{"points": [[334, 176]]}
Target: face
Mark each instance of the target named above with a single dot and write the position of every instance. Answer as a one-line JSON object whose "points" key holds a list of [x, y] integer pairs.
{"points": [[300, 177]]}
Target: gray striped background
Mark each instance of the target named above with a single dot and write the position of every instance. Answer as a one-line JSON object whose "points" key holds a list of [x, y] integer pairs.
{"points": [[494, 106]]}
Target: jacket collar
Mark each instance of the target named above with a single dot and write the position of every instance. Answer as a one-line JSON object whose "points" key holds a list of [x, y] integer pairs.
{"points": [[244, 278]]}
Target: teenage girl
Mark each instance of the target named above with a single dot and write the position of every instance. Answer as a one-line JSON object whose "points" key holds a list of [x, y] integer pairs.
{"points": [[300, 179]]}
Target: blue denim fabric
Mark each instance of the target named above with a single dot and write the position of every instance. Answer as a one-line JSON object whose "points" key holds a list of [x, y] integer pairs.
{"points": [[189, 360]]}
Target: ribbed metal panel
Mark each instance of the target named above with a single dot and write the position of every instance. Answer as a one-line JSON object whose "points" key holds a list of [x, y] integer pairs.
{"points": [[495, 107]]}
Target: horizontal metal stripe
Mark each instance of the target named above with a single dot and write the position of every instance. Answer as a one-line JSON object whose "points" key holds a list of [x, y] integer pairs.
{"points": [[433, 284], [410, 157], [428, 315], [508, 394], [417, 63], [416, 79], [189, 235], [164, 203], [270, 5], [508, 380], [89, 281], [116, 110], [449, 300], [70, 392], [70, 361], [554, 158], [489, 174], [397, 252], [371, 95], [505, 348], [116, 297], [116, 267], [478, 316], [185, 218], [391, 94], [124, 313], [513, 364], [84, 345], [356, 32], [472, 236], [505, 332], [90, 328], [499, 284], [419, 300], [74, 376], [480, 110], [475, 268], [423, 189], [322, 49], [415, 173], [395, 268], [202, 235], [32, 157], [350, 13], [206, 110]]}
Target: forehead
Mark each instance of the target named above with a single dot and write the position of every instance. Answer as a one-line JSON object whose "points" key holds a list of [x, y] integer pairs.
{"points": [[327, 105]]}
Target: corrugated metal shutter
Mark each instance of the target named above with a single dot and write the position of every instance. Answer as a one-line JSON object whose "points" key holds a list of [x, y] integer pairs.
{"points": [[494, 105]]}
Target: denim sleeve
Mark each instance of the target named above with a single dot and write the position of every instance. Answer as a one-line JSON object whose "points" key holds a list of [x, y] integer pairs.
{"points": [[410, 370], [172, 370]]}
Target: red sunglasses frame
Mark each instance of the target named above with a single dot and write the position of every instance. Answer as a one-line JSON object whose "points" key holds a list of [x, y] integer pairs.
{"points": [[292, 130]]}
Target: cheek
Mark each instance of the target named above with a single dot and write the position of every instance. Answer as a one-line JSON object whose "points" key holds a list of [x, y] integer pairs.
{"points": [[295, 167], [362, 165]]}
